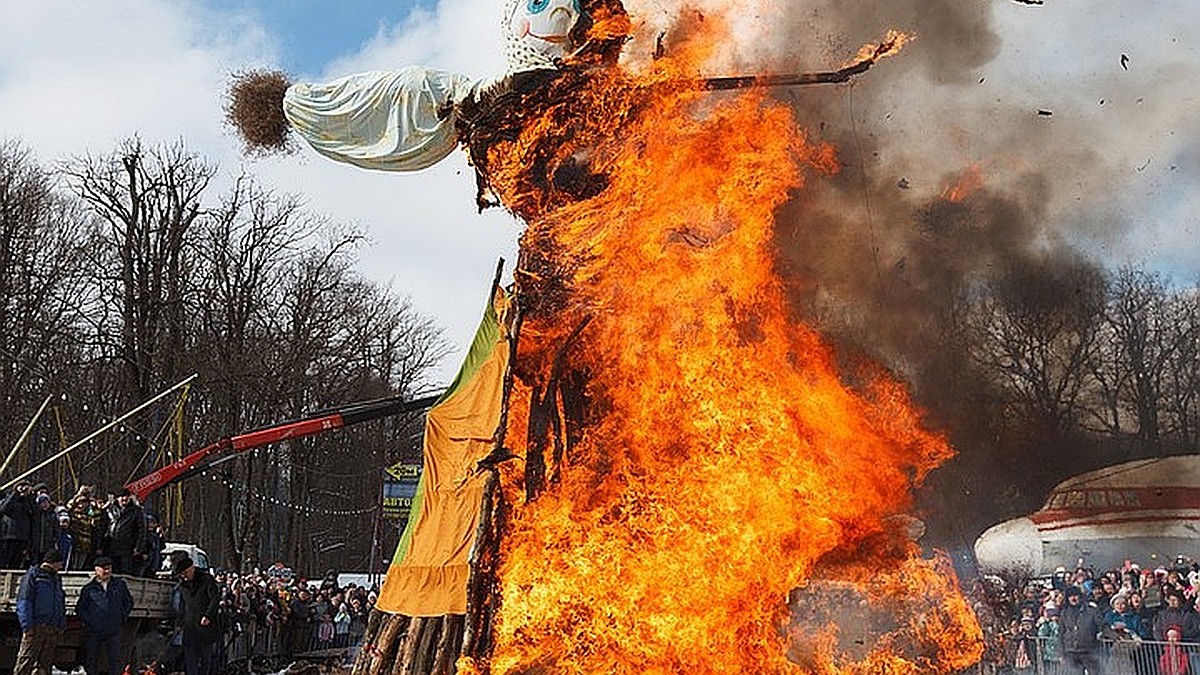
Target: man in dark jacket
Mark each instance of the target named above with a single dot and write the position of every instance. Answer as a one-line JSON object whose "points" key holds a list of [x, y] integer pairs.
{"points": [[1176, 615], [300, 620], [126, 542], [43, 528], [16, 507], [1080, 625], [199, 606], [104, 605], [155, 542], [42, 612]]}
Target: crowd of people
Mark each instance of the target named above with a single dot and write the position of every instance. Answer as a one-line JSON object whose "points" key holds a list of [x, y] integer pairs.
{"points": [[220, 616], [84, 527], [277, 612], [1131, 620]]}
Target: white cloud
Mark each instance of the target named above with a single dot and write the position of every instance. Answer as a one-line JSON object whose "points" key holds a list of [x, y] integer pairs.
{"points": [[78, 76]]}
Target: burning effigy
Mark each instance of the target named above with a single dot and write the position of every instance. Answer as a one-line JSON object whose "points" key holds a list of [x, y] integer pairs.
{"points": [[648, 464]]}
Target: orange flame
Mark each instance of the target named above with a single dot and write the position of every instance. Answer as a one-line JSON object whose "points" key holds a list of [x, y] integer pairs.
{"points": [[966, 183], [891, 44], [724, 461]]}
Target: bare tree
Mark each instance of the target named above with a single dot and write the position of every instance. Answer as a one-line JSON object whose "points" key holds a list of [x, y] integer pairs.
{"points": [[147, 201], [142, 272], [41, 288], [1035, 330], [1139, 315], [1181, 376]]}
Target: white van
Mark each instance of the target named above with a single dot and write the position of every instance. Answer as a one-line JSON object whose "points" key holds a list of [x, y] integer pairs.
{"points": [[197, 554]]}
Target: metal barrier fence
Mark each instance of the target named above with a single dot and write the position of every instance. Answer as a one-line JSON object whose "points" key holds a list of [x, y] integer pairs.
{"points": [[1114, 657], [249, 646]]}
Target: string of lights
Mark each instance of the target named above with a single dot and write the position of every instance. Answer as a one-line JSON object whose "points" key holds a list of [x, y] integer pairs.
{"points": [[299, 508]]}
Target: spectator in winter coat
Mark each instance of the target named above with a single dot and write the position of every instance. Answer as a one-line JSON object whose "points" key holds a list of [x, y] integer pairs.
{"points": [[1176, 615], [1174, 659], [155, 542], [1051, 641], [66, 542], [43, 527], [126, 543], [1080, 627], [1137, 605], [42, 613], [16, 511], [300, 617], [87, 527], [199, 600], [1123, 621], [104, 605], [341, 624], [1125, 630], [325, 632]]}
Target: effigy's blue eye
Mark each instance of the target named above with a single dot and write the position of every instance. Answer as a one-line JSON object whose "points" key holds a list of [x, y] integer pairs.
{"points": [[537, 6]]}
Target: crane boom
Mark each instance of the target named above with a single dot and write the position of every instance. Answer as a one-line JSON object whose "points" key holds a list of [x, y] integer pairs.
{"points": [[327, 420]]}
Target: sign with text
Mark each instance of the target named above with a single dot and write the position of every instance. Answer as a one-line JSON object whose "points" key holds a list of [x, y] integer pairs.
{"points": [[399, 488]]}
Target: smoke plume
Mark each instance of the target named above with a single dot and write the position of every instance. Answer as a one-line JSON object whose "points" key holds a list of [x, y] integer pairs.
{"points": [[968, 157]]}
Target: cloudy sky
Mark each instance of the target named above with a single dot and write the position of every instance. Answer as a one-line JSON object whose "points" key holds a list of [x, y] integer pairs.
{"points": [[76, 77]]}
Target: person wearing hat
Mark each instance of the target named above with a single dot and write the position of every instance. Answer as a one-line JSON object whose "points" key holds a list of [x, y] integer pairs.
{"points": [[126, 542], [104, 604], [16, 514], [199, 600], [1080, 627], [156, 540], [42, 613], [1176, 615], [43, 530], [66, 541], [1050, 640], [86, 527]]}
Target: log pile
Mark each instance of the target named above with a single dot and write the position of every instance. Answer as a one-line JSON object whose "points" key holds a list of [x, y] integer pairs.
{"points": [[395, 644]]}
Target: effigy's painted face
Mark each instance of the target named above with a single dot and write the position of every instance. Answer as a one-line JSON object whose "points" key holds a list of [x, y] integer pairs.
{"points": [[538, 32]]}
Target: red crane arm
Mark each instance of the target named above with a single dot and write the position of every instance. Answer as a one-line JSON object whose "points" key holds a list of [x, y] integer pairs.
{"points": [[228, 447]]}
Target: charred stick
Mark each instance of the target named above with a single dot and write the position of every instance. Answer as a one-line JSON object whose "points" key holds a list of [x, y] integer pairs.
{"points": [[482, 586], [787, 79], [801, 79]]}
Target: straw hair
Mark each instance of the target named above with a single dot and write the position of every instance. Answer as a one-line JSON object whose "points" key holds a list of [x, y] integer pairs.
{"points": [[254, 108]]}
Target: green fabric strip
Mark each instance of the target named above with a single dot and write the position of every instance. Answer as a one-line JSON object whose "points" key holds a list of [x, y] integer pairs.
{"points": [[410, 524], [486, 337]]}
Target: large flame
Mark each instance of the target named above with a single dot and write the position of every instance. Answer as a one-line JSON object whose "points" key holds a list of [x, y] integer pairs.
{"points": [[724, 462]]}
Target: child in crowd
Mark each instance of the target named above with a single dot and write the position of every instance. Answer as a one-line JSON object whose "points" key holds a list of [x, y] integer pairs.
{"points": [[1174, 659]]}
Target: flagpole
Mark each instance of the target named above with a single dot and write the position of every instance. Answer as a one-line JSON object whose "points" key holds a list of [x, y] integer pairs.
{"points": [[101, 430], [24, 435]]}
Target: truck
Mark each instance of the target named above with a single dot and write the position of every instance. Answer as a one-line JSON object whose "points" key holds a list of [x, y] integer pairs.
{"points": [[151, 606]]}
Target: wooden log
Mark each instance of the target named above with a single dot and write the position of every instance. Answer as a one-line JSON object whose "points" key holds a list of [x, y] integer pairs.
{"points": [[362, 661], [406, 651], [427, 639], [545, 419], [449, 646], [483, 590], [390, 637]]}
